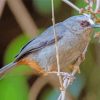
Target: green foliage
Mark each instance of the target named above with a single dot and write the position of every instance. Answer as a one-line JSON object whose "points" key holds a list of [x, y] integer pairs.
{"points": [[12, 50], [49, 93], [14, 85], [13, 88], [44, 6]]}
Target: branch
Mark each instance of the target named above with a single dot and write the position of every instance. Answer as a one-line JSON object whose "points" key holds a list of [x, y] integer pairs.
{"points": [[23, 17], [56, 45], [68, 79], [97, 10], [91, 2], [72, 5]]}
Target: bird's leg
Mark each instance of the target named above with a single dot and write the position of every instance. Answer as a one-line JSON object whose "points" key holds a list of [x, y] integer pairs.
{"points": [[76, 65], [32, 64], [80, 59], [97, 35]]}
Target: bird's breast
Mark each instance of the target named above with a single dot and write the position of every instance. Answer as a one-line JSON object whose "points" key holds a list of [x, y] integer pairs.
{"points": [[70, 47]]}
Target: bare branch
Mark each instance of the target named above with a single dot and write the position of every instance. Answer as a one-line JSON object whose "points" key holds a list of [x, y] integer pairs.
{"points": [[91, 2], [97, 10], [72, 5], [23, 17], [67, 78], [56, 44]]}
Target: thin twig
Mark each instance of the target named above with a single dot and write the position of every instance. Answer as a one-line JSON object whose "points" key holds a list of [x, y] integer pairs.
{"points": [[67, 78], [61, 73], [97, 6], [56, 44], [67, 81], [72, 5]]}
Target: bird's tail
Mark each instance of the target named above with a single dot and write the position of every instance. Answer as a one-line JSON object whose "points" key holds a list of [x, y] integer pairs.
{"points": [[6, 68]]}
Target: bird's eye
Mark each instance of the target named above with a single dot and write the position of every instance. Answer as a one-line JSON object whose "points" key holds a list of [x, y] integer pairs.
{"points": [[85, 23]]}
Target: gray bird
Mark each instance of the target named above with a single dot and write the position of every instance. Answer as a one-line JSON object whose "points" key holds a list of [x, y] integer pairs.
{"points": [[73, 35]]}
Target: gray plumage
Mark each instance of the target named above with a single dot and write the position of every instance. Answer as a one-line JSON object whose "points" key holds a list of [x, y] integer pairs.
{"points": [[71, 43], [72, 38]]}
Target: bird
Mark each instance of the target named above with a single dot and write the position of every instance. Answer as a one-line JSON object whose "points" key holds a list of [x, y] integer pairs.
{"points": [[73, 36]]}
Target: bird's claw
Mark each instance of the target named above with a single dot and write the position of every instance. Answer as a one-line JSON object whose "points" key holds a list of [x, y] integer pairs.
{"points": [[69, 77], [77, 68]]}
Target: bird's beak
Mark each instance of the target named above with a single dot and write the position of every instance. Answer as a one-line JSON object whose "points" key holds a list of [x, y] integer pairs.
{"points": [[95, 25]]}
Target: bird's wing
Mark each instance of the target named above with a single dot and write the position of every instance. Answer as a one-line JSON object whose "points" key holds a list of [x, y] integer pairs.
{"points": [[45, 39]]}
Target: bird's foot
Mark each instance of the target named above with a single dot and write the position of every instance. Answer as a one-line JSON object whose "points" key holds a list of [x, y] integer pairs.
{"points": [[83, 56], [77, 68], [97, 35], [74, 67], [68, 76]]}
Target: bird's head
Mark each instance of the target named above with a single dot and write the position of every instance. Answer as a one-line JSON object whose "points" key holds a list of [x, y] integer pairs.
{"points": [[79, 24]]}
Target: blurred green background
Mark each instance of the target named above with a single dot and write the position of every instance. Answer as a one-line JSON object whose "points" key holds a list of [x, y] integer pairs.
{"points": [[20, 83]]}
